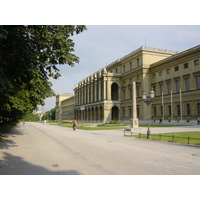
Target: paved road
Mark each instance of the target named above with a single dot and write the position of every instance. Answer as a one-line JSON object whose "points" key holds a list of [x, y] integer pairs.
{"points": [[37, 148]]}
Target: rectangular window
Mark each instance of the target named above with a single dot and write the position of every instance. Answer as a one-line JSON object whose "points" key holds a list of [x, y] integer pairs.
{"points": [[161, 109], [123, 112], [130, 112], [176, 68], [160, 73], [188, 109], [138, 62], [138, 91], [169, 87], [178, 110], [130, 65], [198, 108], [138, 111], [154, 111], [170, 110], [177, 86], [130, 91], [124, 68], [154, 89], [187, 84], [185, 65], [161, 88], [168, 71], [198, 82], [196, 62], [153, 75], [124, 94], [116, 70]]}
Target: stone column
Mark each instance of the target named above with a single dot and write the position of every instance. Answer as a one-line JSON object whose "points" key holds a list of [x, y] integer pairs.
{"points": [[108, 90], [105, 90], [100, 88], [95, 91], [85, 94], [79, 95], [82, 95], [88, 93], [134, 121], [92, 93]]}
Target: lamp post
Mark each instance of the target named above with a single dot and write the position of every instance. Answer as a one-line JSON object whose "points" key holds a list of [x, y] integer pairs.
{"points": [[148, 100]]}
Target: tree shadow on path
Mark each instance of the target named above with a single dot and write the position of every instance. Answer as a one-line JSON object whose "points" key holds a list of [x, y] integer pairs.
{"points": [[15, 165]]}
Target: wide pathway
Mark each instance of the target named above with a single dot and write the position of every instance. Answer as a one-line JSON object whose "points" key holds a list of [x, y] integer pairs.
{"points": [[37, 148]]}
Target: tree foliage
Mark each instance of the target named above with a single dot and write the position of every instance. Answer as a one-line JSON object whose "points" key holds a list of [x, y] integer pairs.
{"points": [[29, 56], [49, 115]]}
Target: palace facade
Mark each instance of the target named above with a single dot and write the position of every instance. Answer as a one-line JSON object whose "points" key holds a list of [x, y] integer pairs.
{"points": [[64, 107], [174, 76]]}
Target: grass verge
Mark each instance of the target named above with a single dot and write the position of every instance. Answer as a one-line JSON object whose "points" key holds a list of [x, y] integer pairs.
{"points": [[161, 125], [106, 126], [179, 137]]}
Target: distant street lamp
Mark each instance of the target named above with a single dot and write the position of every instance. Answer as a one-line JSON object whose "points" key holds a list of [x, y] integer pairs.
{"points": [[148, 100]]}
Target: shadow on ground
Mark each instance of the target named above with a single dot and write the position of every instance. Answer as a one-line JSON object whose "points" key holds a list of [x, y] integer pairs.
{"points": [[15, 165]]}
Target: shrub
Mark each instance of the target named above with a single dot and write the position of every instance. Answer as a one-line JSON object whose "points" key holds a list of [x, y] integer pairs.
{"points": [[113, 122]]}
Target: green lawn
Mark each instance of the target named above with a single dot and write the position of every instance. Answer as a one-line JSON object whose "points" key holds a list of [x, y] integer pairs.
{"points": [[87, 126], [92, 126], [179, 137], [161, 125]]}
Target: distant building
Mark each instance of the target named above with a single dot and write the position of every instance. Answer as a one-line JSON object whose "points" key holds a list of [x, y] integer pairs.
{"points": [[65, 107], [107, 94]]}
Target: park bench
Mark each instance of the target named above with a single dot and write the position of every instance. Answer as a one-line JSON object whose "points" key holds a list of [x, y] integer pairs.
{"points": [[129, 130]]}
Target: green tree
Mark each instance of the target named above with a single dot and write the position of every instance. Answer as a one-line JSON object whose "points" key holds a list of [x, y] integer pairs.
{"points": [[29, 55], [52, 113]]}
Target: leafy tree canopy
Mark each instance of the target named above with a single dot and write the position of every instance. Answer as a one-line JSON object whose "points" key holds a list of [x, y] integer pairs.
{"points": [[29, 55]]}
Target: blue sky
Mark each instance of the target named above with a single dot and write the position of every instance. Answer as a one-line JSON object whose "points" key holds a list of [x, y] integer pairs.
{"points": [[102, 44]]}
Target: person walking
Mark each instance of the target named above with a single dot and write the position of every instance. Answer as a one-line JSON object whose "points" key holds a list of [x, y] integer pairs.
{"points": [[74, 124], [198, 121]]}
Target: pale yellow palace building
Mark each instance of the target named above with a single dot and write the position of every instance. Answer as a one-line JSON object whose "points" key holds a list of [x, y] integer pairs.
{"points": [[107, 94]]}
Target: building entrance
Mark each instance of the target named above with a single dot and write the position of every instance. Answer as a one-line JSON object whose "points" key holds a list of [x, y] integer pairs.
{"points": [[115, 113]]}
